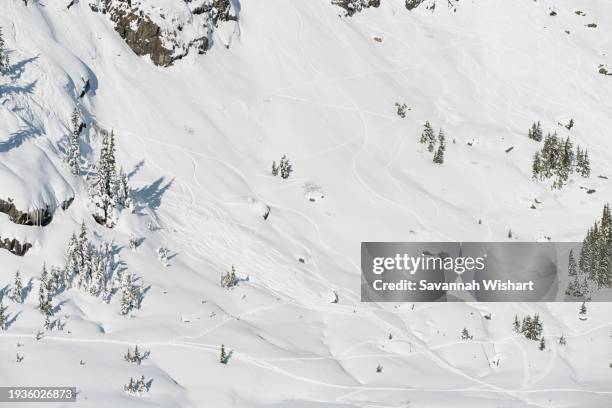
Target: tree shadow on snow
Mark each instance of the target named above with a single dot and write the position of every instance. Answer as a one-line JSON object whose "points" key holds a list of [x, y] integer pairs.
{"points": [[12, 319], [152, 194], [136, 169], [15, 89], [27, 289], [17, 69], [18, 138]]}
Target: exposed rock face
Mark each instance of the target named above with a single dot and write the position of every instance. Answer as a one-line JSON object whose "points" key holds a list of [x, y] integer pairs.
{"points": [[355, 6], [166, 35], [14, 246], [40, 217]]}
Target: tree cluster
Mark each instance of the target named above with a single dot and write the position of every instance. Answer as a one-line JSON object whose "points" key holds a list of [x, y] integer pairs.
{"points": [[593, 270], [229, 279], [559, 160], [401, 109], [89, 267], [465, 334], [95, 270], [535, 133], [530, 327], [284, 168], [136, 356], [136, 387], [112, 192], [428, 138]]}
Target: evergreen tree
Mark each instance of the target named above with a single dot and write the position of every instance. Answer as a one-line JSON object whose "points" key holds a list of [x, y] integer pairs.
{"points": [[562, 340], [285, 167], [274, 169], [428, 137], [564, 165], [44, 297], [537, 327], [17, 291], [465, 334], [123, 199], [537, 134], [583, 311], [223, 356], [516, 326], [106, 194], [574, 287], [583, 165], [130, 295], [542, 344], [439, 155], [229, 280], [536, 167], [5, 66], [3, 317], [74, 151]]}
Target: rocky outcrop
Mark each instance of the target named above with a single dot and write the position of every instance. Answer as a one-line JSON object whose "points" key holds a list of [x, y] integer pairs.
{"points": [[14, 246], [353, 7], [166, 35], [39, 217]]}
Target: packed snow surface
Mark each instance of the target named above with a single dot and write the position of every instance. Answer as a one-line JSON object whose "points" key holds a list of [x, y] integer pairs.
{"points": [[300, 79]]}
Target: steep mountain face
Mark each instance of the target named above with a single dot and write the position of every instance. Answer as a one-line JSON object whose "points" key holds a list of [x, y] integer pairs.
{"points": [[167, 30], [345, 100]]}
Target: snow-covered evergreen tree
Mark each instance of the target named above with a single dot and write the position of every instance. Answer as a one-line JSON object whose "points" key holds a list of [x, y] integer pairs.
{"points": [[106, 195], [439, 155], [162, 255], [229, 280], [130, 294], [465, 334], [223, 356], [3, 317], [74, 151], [428, 137], [274, 168], [516, 326], [17, 290], [136, 387], [136, 356], [44, 295], [583, 165], [542, 345], [574, 286], [582, 315], [5, 66], [285, 168], [123, 199], [535, 133]]}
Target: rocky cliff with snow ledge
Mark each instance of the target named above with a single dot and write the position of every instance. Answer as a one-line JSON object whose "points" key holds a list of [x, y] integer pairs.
{"points": [[32, 190], [167, 30]]}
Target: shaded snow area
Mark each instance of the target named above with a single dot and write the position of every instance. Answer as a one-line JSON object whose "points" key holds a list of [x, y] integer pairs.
{"points": [[344, 98]]}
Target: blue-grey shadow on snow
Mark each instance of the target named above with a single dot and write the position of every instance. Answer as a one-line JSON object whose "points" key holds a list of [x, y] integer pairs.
{"points": [[18, 68], [17, 89], [152, 194], [18, 138]]}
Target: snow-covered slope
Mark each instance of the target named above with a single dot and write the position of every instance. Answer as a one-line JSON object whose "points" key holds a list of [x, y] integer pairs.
{"points": [[300, 78]]}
